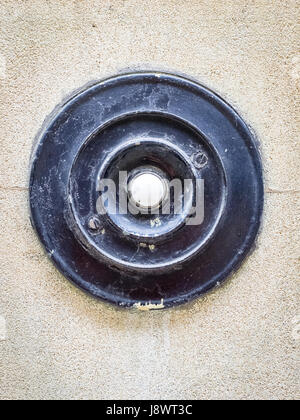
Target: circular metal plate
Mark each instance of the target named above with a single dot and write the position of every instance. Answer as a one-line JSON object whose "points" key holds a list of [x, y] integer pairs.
{"points": [[171, 128]]}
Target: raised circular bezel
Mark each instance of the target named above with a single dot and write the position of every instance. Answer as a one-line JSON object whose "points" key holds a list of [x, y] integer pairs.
{"points": [[226, 141]]}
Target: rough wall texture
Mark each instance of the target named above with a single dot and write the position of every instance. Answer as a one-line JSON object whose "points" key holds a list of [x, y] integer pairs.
{"points": [[239, 342]]}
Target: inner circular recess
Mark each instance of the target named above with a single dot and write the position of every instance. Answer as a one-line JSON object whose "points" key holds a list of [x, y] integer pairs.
{"points": [[147, 189], [144, 167]]}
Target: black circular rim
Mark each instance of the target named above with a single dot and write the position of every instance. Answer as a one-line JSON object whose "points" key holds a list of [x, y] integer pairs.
{"points": [[222, 139]]}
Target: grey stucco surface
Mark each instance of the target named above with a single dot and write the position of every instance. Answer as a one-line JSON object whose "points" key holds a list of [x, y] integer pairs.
{"points": [[242, 341]]}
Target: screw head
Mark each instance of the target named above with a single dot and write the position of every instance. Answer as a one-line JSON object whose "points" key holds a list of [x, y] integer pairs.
{"points": [[199, 160], [94, 223]]}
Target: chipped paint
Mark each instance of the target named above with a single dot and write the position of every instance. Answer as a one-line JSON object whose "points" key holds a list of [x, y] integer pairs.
{"points": [[155, 222], [149, 306]]}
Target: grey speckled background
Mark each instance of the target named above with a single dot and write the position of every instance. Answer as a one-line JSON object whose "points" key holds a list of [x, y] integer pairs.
{"points": [[241, 341]]}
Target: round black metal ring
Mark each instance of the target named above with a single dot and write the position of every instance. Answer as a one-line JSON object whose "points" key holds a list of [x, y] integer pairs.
{"points": [[175, 129]]}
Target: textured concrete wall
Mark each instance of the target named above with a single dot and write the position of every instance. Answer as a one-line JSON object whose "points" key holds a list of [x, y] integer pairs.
{"points": [[239, 342]]}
